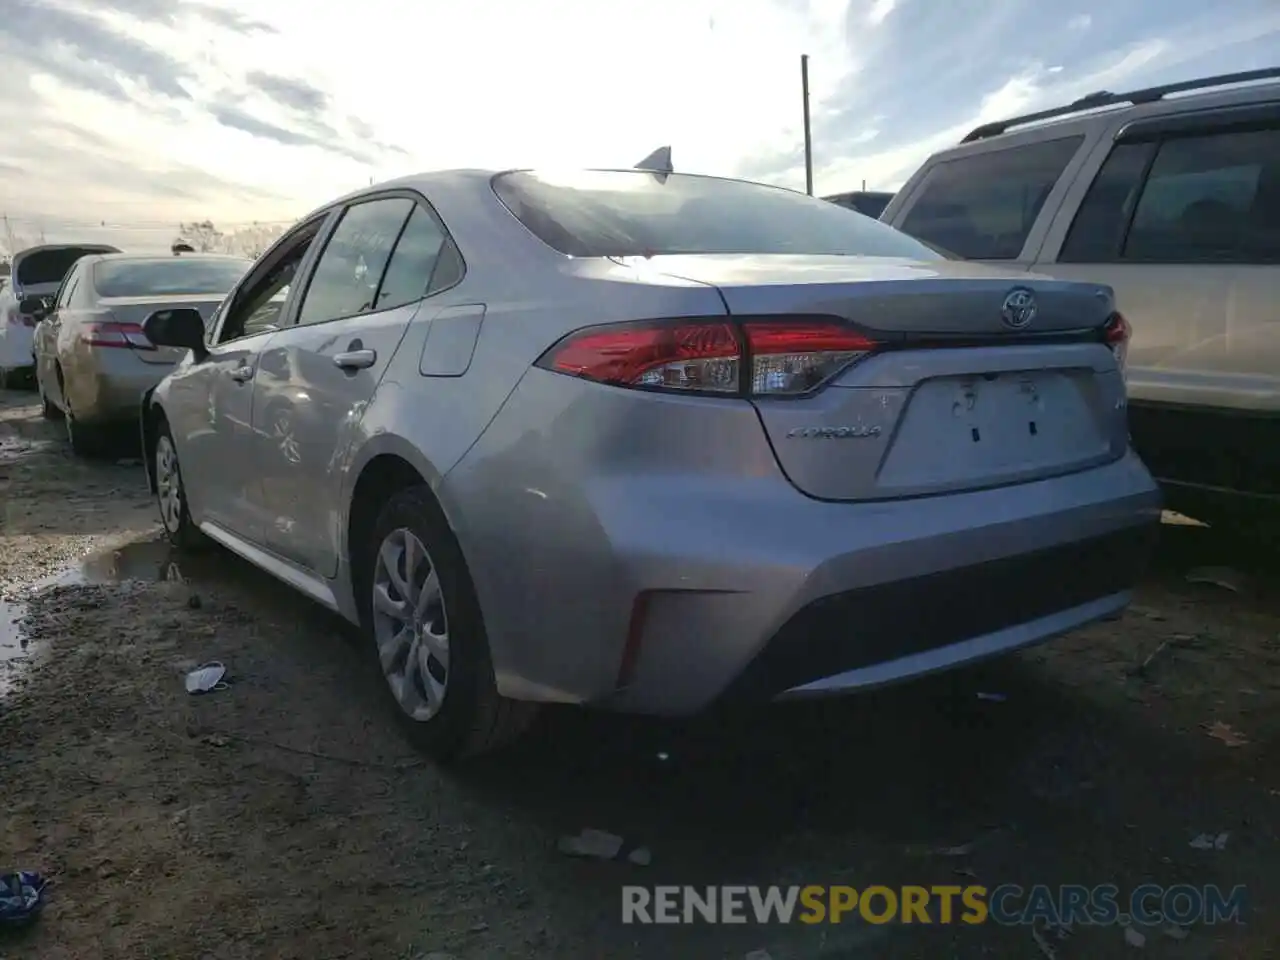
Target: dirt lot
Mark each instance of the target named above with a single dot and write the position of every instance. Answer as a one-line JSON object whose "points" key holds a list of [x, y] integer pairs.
{"points": [[283, 817]]}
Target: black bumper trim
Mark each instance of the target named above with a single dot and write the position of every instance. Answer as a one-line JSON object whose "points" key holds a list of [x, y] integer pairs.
{"points": [[872, 625]]}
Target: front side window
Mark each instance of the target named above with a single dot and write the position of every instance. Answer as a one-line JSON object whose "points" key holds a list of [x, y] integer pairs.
{"points": [[257, 308], [983, 206], [1210, 199], [633, 213], [165, 276], [347, 275]]}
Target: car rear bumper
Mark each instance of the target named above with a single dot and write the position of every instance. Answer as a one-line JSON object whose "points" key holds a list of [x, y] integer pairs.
{"points": [[17, 342], [112, 393], [874, 635], [653, 589], [888, 594]]}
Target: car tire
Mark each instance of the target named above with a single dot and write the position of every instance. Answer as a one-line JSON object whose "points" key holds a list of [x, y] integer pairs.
{"points": [[171, 494], [84, 442], [47, 409], [468, 717]]}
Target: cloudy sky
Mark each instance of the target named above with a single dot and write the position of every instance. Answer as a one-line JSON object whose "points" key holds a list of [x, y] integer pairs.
{"points": [[140, 113]]}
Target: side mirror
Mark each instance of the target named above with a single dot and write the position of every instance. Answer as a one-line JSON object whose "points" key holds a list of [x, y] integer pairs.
{"points": [[34, 306], [179, 327]]}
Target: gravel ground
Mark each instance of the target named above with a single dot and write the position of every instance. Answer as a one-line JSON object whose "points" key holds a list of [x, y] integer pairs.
{"points": [[283, 817]]}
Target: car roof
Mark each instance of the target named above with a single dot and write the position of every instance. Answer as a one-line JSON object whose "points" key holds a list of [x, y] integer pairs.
{"points": [[164, 257], [1078, 117], [477, 182]]}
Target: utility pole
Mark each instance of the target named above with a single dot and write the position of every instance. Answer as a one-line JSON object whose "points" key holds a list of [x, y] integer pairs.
{"points": [[808, 140]]}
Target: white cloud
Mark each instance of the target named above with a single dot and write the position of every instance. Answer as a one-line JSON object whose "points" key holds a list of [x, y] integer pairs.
{"points": [[1082, 22], [1040, 87], [184, 111], [880, 9]]}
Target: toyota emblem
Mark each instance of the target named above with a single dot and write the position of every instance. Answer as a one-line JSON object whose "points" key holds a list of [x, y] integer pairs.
{"points": [[1019, 309]]}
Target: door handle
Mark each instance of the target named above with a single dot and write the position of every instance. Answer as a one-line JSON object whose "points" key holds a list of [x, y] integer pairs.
{"points": [[241, 374], [355, 359]]}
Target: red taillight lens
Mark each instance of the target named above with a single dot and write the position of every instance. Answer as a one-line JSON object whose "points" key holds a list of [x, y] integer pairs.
{"points": [[1116, 334], [674, 356], [112, 334], [779, 357]]}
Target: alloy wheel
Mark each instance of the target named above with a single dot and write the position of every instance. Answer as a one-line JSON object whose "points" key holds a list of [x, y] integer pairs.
{"points": [[410, 624], [168, 485]]}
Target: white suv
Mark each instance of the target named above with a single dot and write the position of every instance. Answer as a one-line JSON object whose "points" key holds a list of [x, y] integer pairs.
{"points": [[1171, 195]]}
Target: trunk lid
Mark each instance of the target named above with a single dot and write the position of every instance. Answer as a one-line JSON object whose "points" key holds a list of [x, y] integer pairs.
{"points": [[896, 298], [137, 309], [956, 399], [37, 271]]}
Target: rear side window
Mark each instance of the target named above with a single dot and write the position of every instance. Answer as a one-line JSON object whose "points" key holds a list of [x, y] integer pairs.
{"points": [[413, 262], [633, 213], [983, 206], [169, 276], [1210, 199], [1098, 231]]}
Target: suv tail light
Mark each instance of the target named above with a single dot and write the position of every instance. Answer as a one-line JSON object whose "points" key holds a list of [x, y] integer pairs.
{"points": [[753, 357], [107, 333], [1116, 333]]}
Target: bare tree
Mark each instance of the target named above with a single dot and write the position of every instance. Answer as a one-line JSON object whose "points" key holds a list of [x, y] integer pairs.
{"points": [[253, 240], [203, 236]]}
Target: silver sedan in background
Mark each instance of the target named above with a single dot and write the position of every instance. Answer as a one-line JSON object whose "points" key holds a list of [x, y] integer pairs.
{"points": [[93, 361]]}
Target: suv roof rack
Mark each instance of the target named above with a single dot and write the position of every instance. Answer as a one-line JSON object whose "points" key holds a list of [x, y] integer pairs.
{"points": [[1104, 98]]}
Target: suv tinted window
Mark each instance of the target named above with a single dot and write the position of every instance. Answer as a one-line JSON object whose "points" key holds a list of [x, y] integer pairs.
{"points": [[982, 207], [632, 213], [1210, 199], [1097, 233]]}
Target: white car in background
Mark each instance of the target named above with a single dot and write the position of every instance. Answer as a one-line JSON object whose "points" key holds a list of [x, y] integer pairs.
{"points": [[34, 272]]}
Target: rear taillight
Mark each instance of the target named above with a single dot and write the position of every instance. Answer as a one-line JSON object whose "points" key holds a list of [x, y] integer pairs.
{"points": [[111, 334], [755, 358], [1116, 334]]}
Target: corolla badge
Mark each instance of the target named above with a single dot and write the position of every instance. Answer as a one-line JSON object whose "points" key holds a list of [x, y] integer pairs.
{"points": [[833, 433], [1019, 308]]}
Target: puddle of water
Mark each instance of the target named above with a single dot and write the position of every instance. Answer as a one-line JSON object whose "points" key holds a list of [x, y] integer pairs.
{"points": [[14, 650], [144, 560]]}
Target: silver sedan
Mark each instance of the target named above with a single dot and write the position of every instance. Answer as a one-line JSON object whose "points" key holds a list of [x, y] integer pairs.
{"points": [[649, 442], [93, 361]]}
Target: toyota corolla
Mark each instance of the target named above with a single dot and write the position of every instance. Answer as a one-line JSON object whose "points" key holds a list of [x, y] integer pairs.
{"points": [[651, 442]]}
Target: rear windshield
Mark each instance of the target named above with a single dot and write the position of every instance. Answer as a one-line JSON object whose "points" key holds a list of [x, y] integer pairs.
{"points": [[627, 213], [50, 266], [171, 275]]}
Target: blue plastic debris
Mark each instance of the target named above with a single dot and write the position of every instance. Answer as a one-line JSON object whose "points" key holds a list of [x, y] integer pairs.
{"points": [[21, 897]]}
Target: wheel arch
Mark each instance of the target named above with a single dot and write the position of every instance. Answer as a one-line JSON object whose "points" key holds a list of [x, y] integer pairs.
{"points": [[385, 465], [150, 414]]}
